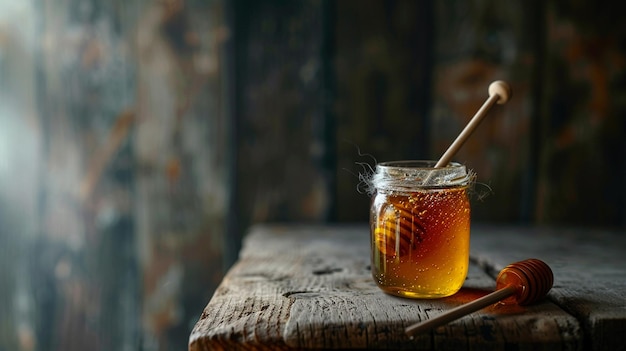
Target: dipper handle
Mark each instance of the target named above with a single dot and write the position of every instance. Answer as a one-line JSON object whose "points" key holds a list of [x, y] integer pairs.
{"points": [[499, 93], [525, 282]]}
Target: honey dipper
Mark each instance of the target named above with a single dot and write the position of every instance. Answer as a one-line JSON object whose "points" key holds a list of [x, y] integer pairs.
{"points": [[499, 93], [521, 282]]}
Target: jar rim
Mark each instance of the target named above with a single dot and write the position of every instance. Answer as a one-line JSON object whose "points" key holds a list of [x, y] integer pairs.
{"points": [[417, 164], [408, 175]]}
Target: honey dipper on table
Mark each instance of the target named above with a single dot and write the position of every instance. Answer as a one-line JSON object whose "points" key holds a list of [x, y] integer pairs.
{"points": [[521, 282]]}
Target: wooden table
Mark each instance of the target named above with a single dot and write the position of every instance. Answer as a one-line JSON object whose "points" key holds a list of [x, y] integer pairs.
{"points": [[310, 287]]}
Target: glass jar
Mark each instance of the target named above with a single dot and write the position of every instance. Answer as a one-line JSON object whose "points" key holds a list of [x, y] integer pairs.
{"points": [[420, 228]]}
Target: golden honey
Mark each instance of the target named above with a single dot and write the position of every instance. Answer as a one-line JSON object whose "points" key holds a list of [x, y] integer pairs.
{"points": [[420, 231]]}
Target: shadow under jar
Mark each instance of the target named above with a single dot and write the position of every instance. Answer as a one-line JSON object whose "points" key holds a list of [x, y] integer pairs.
{"points": [[420, 228]]}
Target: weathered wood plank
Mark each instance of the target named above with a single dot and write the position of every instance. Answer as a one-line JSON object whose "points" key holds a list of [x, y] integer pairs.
{"points": [[589, 268], [310, 287]]}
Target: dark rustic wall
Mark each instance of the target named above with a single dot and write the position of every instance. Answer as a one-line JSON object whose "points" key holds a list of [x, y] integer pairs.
{"points": [[282, 118], [283, 141], [411, 74], [383, 63], [582, 124], [113, 179]]}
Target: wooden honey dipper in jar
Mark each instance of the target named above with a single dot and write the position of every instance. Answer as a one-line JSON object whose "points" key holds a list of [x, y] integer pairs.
{"points": [[400, 230], [420, 218], [523, 282]]}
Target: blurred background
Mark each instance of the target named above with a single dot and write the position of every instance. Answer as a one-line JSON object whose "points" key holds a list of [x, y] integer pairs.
{"points": [[140, 139]]}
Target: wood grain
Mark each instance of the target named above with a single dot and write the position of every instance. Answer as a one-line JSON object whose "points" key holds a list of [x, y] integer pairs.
{"points": [[589, 269], [309, 287]]}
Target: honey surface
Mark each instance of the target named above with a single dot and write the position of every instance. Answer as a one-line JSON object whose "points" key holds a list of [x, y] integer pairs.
{"points": [[420, 242]]}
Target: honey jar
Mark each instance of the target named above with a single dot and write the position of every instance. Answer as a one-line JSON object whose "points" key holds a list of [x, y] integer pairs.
{"points": [[420, 228]]}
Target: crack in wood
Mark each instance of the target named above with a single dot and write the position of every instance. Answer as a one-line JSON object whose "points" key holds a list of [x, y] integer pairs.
{"points": [[325, 271]]}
